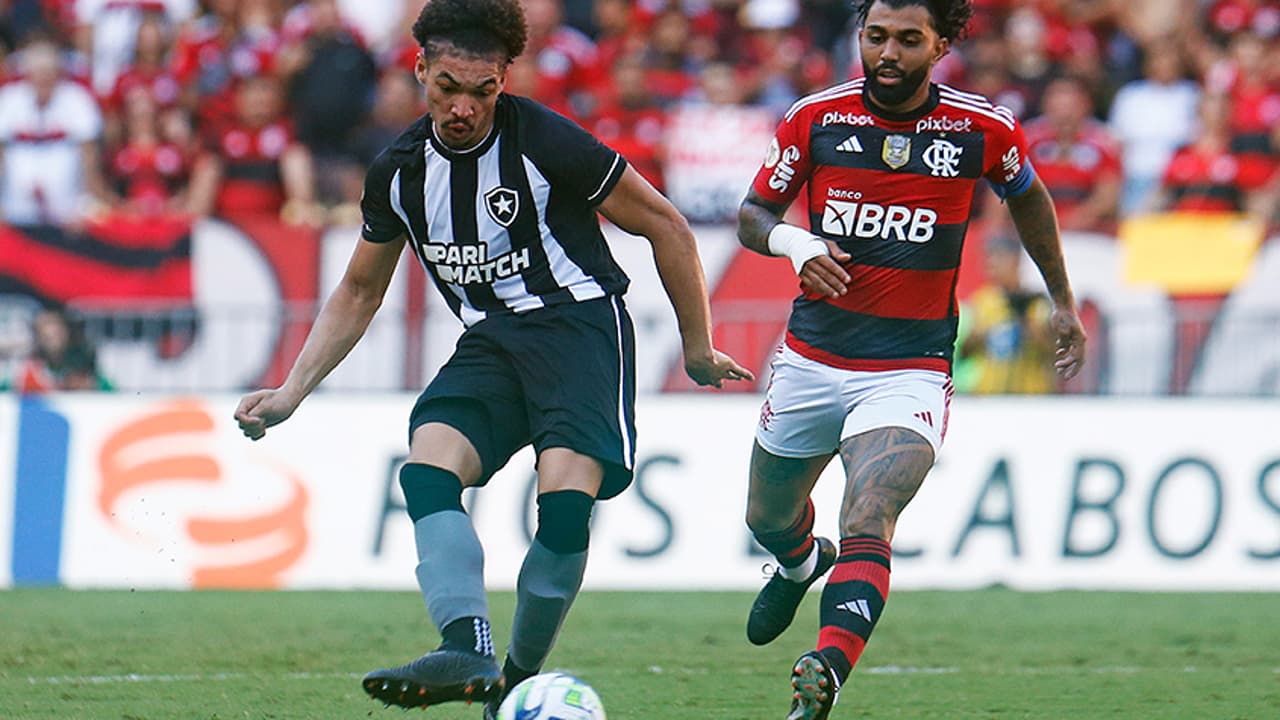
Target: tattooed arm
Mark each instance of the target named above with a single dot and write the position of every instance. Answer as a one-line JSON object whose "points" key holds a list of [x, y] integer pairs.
{"points": [[756, 218], [1037, 225]]}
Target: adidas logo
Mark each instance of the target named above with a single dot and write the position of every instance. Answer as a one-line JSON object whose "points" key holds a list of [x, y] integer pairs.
{"points": [[850, 145], [926, 417], [859, 607]]}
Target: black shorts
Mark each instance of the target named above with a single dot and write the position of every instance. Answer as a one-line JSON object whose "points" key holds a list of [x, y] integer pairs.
{"points": [[559, 376]]}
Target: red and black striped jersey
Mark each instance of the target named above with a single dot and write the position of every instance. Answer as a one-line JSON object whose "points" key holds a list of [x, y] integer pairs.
{"points": [[895, 192]]}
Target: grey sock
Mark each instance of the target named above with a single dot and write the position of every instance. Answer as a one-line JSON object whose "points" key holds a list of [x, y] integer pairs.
{"points": [[547, 586], [450, 567]]}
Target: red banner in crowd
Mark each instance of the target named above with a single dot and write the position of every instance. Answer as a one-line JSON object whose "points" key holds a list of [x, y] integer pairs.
{"points": [[118, 258]]}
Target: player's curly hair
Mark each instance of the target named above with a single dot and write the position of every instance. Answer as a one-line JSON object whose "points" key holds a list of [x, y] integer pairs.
{"points": [[477, 27], [950, 17]]}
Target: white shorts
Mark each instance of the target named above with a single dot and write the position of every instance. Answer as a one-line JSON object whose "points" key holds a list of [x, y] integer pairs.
{"points": [[810, 407]]}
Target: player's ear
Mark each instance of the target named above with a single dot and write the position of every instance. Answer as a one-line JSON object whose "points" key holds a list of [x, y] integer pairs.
{"points": [[420, 67], [943, 47]]}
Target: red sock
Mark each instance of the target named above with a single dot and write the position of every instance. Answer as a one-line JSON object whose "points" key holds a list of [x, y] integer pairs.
{"points": [[853, 599], [792, 545]]}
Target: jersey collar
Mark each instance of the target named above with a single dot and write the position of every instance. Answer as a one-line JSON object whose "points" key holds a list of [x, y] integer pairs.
{"points": [[476, 150]]}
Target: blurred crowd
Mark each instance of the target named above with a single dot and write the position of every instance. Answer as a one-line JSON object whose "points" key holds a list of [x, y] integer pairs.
{"points": [[274, 108], [235, 107], [56, 356]]}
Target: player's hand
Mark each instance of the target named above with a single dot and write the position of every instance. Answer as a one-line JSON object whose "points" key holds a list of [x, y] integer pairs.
{"points": [[1071, 339], [823, 275], [715, 368], [262, 409]]}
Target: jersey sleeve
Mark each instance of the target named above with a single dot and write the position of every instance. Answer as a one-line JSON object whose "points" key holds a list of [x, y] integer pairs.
{"points": [[787, 163], [1008, 165], [1255, 172], [572, 159], [8, 113], [381, 224], [182, 59], [85, 123], [1174, 169], [1111, 165]]}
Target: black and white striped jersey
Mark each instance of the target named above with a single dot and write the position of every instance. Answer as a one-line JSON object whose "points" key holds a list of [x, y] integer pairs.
{"points": [[507, 226]]}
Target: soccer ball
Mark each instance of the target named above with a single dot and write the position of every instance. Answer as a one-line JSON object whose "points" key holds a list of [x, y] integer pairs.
{"points": [[552, 696]]}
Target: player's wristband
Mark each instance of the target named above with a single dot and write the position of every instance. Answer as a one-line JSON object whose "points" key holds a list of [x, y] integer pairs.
{"points": [[799, 245]]}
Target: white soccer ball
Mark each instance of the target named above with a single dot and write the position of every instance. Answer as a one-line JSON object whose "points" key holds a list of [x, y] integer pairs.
{"points": [[552, 696]]}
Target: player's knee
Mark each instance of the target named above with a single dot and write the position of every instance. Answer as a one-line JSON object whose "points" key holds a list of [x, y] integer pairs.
{"points": [[762, 520], [564, 521], [429, 489]]}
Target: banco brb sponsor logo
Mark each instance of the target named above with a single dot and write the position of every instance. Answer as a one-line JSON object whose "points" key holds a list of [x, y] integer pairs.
{"points": [[165, 485]]}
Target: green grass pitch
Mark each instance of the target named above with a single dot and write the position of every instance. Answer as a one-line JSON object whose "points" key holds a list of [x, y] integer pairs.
{"points": [[652, 656]]}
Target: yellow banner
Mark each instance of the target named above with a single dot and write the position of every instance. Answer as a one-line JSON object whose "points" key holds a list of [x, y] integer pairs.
{"points": [[1190, 253]]}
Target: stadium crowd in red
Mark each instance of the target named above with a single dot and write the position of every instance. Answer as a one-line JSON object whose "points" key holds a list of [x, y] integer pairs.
{"points": [[248, 106], [122, 120], [266, 106]]}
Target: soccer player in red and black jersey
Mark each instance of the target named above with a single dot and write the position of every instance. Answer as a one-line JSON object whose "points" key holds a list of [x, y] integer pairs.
{"points": [[891, 161]]}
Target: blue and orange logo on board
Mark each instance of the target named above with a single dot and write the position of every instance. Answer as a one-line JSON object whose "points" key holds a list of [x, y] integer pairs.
{"points": [[245, 549], [169, 451]]}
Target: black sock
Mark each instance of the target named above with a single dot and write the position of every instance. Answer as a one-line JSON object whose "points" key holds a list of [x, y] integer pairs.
{"points": [[838, 662], [791, 545], [471, 634], [514, 674]]}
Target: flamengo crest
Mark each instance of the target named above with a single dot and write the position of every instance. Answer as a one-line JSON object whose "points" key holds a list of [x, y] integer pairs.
{"points": [[896, 151], [943, 158], [502, 203]]}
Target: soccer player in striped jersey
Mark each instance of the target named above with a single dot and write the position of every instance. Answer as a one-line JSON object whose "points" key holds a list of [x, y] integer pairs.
{"points": [[891, 161], [498, 197]]}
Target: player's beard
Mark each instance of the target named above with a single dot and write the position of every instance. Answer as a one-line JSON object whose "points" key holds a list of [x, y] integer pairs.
{"points": [[893, 95]]}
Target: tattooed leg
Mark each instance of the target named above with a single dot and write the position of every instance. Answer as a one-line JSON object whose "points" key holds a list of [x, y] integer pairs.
{"points": [[884, 468]]}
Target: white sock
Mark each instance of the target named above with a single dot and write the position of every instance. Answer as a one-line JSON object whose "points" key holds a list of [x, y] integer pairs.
{"points": [[801, 572]]}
